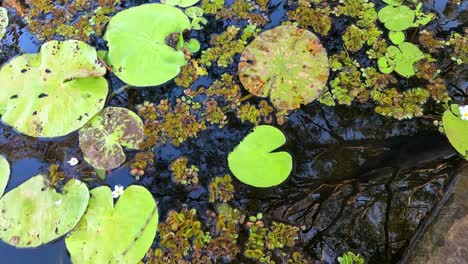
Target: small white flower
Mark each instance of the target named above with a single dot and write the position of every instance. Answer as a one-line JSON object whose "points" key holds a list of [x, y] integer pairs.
{"points": [[118, 190], [73, 161], [463, 112]]}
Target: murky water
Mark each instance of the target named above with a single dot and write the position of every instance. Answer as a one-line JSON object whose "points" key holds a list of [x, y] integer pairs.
{"points": [[361, 182]]}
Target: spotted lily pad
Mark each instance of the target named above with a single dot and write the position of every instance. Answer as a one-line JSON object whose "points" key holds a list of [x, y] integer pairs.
{"points": [[34, 214], [254, 163], [456, 129], [3, 21], [144, 48], [286, 63], [54, 92], [4, 174], [101, 140], [120, 234]]}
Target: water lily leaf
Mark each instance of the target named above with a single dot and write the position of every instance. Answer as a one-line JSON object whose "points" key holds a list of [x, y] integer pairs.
{"points": [[286, 63], [456, 129], [34, 214], [143, 43], [54, 92], [3, 21], [193, 45], [120, 234], [401, 59], [397, 37], [194, 12], [101, 140], [4, 174], [397, 18], [254, 163], [181, 3]]}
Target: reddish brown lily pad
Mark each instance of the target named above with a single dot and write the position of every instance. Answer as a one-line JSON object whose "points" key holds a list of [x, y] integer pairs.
{"points": [[288, 64]]}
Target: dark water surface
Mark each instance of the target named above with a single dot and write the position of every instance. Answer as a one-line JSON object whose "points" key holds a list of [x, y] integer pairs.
{"points": [[361, 182]]}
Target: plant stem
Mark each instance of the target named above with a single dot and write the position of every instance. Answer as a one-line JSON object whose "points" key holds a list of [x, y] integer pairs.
{"points": [[121, 89]]}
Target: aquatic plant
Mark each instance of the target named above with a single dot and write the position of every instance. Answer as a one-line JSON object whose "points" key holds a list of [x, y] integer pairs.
{"points": [[281, 235], [278, 63], [400, 105], [401, 59], [23, 221], [55, 176], [196, 14], [70, 19], [180, 235], [221, 189], [182, 173], [459, 43], [398, 17], [101, 140], [54, 92], [428, 40], [120, 234], [223, 48], [312, 16], [3, 21], [4, 174], [135, 44], [140, 163], [455, 122], [180, 3], [190, 73], [350, 258], [254, 163]]}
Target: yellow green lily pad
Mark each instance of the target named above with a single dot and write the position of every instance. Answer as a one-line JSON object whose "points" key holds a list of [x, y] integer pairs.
{"points": [[4, 174], [34, 214], [54, 92], [120, 234]]}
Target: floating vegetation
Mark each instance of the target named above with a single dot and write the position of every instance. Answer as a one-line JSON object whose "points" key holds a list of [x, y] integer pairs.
{"points": [[350, 258], [253, 161], [312, 16], [455, 121], [70, 19], [130, 228], [459, 44], [54, 92], [190, 73], [221, 189], [140, 163], [226, 45], [182, 173], [401, 59], [269, 67], [4, 174], [158, 52], [3, 21], [23, 222], [102, 139]]}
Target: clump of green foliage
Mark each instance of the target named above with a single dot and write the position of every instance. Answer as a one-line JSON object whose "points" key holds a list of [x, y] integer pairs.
{"points": [[227, 44], [313, 15], [350, 258], [140, 163], [182, 173], [221, 189], [78, 19]]}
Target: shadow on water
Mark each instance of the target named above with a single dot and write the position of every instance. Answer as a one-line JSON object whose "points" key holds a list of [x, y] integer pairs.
{"points": [[361, 182]]}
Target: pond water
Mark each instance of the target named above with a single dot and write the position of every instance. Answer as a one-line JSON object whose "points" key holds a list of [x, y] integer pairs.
{"points": [[361, 182]]}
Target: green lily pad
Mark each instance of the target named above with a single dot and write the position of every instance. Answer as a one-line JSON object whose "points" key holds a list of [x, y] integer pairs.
{"points": [[34, 214], [120, 234], [101, 140], [3, 21], [140, 48], [181, 3], [397, 18], [254, 163], [54, 92], [286, 63], [397, 37], [401, 59], [192, 45], [456, 129], [4, 174]]}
